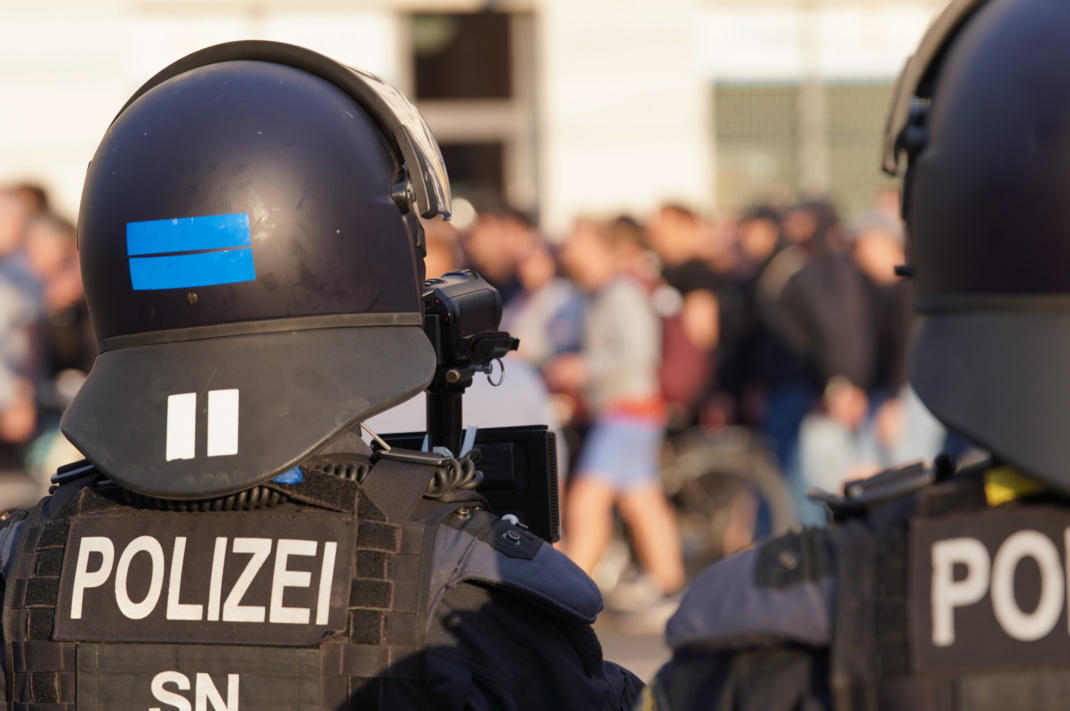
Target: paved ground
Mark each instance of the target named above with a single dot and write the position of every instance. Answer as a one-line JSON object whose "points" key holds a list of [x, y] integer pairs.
{"points": [[643, 654]]}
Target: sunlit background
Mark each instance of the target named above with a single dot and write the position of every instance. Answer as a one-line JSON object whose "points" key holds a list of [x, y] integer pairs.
{"points": [[559, 106]]}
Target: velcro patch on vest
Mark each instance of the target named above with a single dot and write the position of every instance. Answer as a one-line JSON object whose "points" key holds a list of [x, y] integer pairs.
{"points": [[206, 678], [206, 578], [990, 589]]}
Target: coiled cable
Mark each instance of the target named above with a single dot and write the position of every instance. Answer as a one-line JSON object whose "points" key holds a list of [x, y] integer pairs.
{"points": [[258, 497], [451, 476]]}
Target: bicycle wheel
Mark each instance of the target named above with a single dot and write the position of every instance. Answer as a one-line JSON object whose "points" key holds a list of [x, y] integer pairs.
{"points": [[727, 492]]}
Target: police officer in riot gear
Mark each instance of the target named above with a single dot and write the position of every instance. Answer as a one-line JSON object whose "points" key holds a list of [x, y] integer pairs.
{"points": [[937, 589], [252, 259]]}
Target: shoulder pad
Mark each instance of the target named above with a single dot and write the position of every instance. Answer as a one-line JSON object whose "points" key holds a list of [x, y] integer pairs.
{"points": [[497, 553], [781, 591], [10, 531]]}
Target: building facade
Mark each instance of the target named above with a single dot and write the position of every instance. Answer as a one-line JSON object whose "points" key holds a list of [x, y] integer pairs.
{"points": [[561, 107]]}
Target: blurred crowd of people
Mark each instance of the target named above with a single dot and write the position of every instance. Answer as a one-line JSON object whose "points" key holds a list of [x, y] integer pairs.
{"points": [[46, 339], [786, 321]]}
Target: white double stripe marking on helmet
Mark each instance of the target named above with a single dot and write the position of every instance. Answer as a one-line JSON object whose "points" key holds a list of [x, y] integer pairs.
{"points": [[182, 424]]}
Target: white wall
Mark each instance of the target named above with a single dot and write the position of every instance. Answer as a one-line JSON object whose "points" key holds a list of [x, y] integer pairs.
{"points": [[66, 68], [63, 75], [751, 41], [625, 119], [623, 85]]}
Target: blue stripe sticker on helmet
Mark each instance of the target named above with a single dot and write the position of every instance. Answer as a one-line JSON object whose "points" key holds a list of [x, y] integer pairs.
{"points": [[190, 251], [187, 234], [182, 271]]}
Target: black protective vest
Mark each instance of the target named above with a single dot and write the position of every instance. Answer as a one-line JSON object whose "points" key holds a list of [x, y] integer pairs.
{"points": [[319, 602], [947, 604], [920, 597]]}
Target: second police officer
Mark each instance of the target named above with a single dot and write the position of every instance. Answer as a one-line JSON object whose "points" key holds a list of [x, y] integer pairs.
{"points": [[252, 259], [937, 589]]}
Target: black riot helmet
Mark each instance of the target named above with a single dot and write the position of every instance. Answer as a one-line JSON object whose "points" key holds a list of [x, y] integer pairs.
{"points": [[982, 113], [252, 261]]}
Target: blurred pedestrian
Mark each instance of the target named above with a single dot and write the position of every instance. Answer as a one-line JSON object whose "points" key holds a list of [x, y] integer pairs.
{"points": [[811, 299], [751, 355], [877, 249], [64, 343], [685, 246], [547, 313], [617, 369], [14, 212], [34, 197], [495, 244], [867, 435], [20, 308]]}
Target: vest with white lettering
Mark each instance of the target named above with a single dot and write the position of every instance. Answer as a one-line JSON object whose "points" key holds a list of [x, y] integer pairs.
{"points": [[319, 601], [920, 597]]}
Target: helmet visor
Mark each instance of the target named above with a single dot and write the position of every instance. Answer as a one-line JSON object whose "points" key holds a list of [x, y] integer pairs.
{"points": [[413, 137], [907, 87]]}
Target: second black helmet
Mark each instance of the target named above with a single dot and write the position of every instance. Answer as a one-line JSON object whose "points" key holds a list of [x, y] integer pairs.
{"points": [[982, 113]]}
